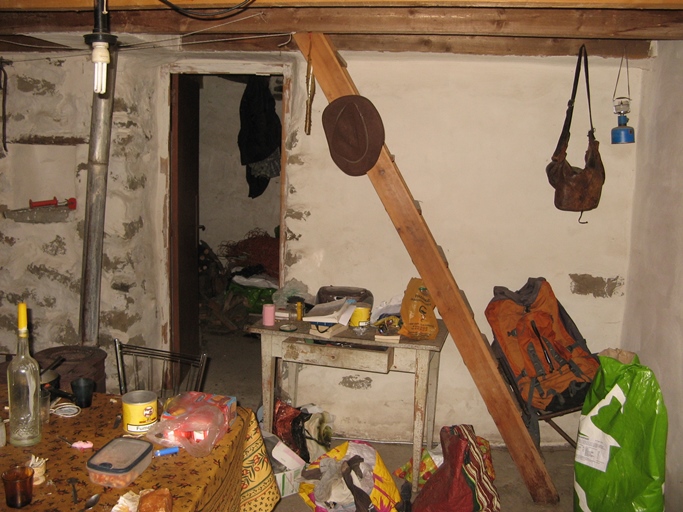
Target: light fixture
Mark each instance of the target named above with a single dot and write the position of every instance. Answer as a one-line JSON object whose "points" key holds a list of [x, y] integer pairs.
{"points": [[100, 40], [622, 134]]}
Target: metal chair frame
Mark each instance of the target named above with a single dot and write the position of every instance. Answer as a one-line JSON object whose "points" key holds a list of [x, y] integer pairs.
{"points": [[170, 372]]}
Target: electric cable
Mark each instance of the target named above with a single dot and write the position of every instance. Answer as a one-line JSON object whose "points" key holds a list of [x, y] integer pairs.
{"points": [[191, 13]]}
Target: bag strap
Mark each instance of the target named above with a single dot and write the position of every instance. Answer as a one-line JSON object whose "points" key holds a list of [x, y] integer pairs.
{"points": [[583, 55]]}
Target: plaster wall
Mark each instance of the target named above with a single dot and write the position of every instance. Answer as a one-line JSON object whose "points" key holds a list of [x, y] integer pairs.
{"points": [[471, 137], [48, 106], [652, 323], [225, 208]]}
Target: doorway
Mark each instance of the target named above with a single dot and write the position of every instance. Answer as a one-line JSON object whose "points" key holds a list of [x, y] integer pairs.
{"points": [[214, 204]]}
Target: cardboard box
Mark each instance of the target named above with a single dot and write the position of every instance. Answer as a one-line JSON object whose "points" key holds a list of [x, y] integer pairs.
{"points": [[288, 481]]}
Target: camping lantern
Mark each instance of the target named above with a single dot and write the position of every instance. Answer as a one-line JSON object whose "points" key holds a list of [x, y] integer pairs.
{"points": [[622, 134]]}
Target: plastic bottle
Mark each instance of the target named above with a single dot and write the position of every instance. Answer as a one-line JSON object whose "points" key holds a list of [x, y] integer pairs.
{"points": [[23, 383]]}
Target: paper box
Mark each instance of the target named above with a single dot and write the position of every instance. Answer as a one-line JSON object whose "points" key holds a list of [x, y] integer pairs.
{"points": [[288, 481]]}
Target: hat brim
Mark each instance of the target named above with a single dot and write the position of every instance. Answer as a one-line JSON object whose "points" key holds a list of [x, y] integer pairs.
{"points": [[354, 132]]}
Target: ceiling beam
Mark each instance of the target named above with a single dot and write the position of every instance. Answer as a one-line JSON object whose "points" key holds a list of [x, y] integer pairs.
{"points": [[464, 30], [474, 21], [116, 5]]}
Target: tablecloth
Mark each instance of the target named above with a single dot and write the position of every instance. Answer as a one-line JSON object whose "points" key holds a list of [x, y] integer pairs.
{"points": [[235, 477]]}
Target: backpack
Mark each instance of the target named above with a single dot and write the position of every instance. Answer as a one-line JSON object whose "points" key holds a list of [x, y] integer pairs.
{"points": [[547, 355]]}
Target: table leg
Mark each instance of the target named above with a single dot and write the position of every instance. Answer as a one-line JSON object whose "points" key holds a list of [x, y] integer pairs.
{"points": [[421, 387], [432, 389], [267, 380]]}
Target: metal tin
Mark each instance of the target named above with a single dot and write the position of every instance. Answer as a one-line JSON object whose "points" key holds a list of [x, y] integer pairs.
{"points": [[139, 411]]}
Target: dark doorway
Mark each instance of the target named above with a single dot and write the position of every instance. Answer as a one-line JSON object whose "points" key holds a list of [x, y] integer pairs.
{"points": [[210, 197]]}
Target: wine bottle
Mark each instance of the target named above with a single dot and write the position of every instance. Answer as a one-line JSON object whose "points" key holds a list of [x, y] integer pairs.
{"points": [[23, 383]]}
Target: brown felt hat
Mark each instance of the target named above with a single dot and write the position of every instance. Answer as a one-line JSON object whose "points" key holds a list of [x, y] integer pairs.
{"points": [[355, 133]]}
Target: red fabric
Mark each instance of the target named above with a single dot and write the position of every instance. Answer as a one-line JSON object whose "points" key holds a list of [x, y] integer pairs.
{"points": [[461, 483]]}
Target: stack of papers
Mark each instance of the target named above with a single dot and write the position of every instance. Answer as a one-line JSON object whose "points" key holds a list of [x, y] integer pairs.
{"points": [[329, 313]]}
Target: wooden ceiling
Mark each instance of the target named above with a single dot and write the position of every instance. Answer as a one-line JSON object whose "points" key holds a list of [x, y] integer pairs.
{"points": [[514, 27]]}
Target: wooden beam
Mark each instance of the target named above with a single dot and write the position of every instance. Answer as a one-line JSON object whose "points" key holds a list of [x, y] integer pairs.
{"points": [[623, 24], [463, 45], [335, 81], [114, 5]]}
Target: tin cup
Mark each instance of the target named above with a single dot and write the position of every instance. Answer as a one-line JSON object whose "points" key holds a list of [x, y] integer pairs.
{"points": [[139, 411], [83, 388]]}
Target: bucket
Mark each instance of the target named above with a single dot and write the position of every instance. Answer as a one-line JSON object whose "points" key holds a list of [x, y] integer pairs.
{"points": [[139, 411], [361, 315]]}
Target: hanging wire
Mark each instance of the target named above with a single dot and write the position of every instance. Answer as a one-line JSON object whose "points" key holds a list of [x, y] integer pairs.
{"points": [[190, 13], [172, 41], [628, 78]]}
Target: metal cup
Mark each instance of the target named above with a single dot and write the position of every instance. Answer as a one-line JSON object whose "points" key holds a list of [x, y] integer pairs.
{"points": [[83, 388]]}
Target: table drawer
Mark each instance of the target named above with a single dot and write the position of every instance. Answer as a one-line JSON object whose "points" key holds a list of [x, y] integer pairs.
{"points": [[370, 359]]}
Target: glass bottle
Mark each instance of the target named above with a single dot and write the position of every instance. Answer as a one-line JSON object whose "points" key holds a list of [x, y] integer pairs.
{"points": [[23, 383]]}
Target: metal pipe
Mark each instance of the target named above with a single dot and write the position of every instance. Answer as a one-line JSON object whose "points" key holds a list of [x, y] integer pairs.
{"points": [[95, 203]]}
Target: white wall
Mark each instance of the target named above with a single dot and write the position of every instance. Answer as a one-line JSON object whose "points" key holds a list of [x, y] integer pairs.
{"points": [[652, 322], [471, 136]]}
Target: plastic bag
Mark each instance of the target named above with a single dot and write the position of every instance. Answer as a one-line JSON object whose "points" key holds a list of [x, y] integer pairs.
{"points": [[417, 312], [329, 491], [292, 288], [194, 421], [620, 459]]}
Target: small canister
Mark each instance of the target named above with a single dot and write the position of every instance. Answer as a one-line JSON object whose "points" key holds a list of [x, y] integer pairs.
{"points": [[361, 315], [299, 310], [139, 411]]}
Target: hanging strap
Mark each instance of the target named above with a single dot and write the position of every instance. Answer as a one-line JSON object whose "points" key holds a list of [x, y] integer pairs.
{"points": [[583, 55], [3, 88]]}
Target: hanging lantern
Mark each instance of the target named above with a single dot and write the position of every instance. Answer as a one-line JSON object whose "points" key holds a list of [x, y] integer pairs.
{"points": [[622, 134]]}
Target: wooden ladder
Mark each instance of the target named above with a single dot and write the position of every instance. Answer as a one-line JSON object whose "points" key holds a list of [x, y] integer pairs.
{"points": [[335, 81]]}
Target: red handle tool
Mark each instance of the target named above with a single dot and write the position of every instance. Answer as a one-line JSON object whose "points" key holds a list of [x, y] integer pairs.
{"points": [[70, 203]]}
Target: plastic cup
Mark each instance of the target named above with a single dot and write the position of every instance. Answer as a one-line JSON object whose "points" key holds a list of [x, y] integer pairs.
{"points": [[82, 389], [269, 315], [18, 482], [45, 402]]}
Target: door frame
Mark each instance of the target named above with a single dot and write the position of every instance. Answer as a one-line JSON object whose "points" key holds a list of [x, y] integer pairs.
{"points": [[214, 67]]}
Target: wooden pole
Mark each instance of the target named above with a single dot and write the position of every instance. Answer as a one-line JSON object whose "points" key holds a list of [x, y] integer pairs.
{"points": [[334, 79]]}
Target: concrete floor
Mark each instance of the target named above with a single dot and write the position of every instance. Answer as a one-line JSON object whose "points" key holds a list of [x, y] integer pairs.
{"points": [[235, 369]]}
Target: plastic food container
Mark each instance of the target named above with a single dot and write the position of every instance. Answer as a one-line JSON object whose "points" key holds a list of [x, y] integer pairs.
{"points": [[119, 462]]}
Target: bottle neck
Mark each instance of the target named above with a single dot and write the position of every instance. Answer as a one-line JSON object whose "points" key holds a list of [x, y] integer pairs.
{"points": [[22, 343]]}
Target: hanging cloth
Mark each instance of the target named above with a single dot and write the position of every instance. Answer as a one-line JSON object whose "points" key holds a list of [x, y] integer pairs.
{"points": [[260, 134]]}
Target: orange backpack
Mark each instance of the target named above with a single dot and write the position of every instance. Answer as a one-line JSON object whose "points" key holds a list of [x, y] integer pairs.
{"points": [[543, 347]]}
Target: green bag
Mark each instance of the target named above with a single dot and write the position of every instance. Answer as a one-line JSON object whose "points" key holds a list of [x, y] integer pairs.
{"points": [[620, 459]]}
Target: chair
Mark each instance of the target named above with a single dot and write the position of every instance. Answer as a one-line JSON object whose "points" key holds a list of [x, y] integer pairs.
{"points": [[530, 414], [166, 373]]}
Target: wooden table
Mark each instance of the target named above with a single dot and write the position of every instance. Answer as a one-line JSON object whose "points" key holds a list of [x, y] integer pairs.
{"points": [[348, 350], [235, 476]]}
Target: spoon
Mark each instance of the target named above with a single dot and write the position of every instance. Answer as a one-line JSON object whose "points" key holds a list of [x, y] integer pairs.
{"points": [[91, 502], [74, 494]]}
